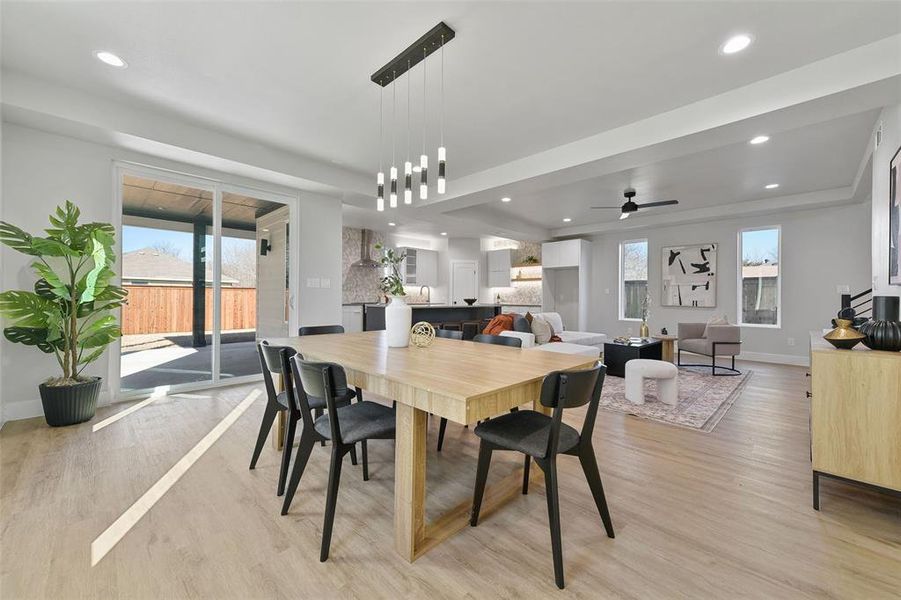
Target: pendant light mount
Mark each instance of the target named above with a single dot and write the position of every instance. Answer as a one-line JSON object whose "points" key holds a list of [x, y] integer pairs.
{"points": [[413, 55]]}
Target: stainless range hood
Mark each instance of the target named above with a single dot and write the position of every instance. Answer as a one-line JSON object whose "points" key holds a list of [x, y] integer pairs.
{"points": [[366, 261]]}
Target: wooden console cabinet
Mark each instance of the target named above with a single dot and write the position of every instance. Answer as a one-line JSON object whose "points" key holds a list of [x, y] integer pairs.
{"points": [[855, 415]]}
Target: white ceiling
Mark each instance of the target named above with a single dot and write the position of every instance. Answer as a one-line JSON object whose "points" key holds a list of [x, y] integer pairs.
{"points": [[522, 78]]}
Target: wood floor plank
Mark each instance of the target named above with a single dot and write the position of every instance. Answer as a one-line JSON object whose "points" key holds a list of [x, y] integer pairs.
{"points": [[697, 515]]}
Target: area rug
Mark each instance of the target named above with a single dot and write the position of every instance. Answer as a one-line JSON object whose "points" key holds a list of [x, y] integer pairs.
{"points": [[703, 399]]}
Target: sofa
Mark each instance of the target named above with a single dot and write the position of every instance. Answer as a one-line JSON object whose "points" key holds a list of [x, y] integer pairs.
{"points": [[710, 340], [580, 338]]}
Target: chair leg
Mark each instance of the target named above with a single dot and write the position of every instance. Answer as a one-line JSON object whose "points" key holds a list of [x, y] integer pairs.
{"points": [[441, 427], [525, 475], [334, 478], [713, 365], [481, 478], [287, 447], [593, 475], [307, 441], [553, 513], [353, 455], [265, 427], [365, 460]]}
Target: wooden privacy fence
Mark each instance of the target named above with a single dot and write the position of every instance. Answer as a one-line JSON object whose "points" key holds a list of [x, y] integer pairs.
{"points": [[168, 309]]}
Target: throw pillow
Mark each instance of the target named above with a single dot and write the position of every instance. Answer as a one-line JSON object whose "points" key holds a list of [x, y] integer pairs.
{"points": [[521, 324], [542, 330], [715, 320], [555, 320], [498, 324]]}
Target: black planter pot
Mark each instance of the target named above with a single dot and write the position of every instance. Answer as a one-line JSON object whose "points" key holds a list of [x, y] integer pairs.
{"points": [[883, 331], [70, 404]]}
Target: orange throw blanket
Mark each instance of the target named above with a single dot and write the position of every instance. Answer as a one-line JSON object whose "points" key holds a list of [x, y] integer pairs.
{"points": [[500, 323]]}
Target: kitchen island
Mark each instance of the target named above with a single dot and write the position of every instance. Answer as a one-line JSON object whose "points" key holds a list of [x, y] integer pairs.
{"points": [[374, 314]]}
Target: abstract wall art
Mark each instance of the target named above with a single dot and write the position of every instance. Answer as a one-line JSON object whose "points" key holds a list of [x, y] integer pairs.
{"points": [[689, 276], [894, 220]]}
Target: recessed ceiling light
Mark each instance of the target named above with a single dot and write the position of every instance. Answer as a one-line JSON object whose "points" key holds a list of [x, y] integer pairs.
{"points": [[736, 43], [505, 199], [772, 186], [391, 224], [760, 139], [566, 219], [111, 59], [443, 233]]}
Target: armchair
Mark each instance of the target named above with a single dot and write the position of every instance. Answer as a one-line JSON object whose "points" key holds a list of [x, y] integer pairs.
{"points": [[720, 340]]}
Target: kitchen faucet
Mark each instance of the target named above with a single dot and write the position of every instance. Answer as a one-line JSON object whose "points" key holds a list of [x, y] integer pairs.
{"points": [[428, 294]]}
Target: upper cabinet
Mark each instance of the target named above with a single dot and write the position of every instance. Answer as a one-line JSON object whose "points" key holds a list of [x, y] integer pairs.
{"points": [[420, 267], [499, 263], [556, 255]]}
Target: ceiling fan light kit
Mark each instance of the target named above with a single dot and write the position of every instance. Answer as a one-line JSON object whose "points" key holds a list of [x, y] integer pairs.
{"points": [[433, 41]]}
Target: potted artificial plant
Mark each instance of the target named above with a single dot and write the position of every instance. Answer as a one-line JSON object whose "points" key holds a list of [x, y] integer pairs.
{"points": [[68, 313], [398, 314]]}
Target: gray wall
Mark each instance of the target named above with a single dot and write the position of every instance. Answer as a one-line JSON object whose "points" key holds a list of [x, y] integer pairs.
{"points": [[821, 249], [891, 140]]}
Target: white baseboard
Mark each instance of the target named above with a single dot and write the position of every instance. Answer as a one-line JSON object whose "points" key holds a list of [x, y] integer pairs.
{"points": [[764, 357], [28, 409]]}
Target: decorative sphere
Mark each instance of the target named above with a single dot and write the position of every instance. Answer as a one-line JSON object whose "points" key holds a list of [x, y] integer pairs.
{"points": [[422, 334]]}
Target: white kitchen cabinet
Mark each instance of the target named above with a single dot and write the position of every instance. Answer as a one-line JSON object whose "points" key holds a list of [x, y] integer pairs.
{"points": [[420, 267], [499, 263], [563, 254], [352, 318]]}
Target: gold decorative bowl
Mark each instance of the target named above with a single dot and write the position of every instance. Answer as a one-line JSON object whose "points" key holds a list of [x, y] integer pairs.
{"points": [[844, 336]]}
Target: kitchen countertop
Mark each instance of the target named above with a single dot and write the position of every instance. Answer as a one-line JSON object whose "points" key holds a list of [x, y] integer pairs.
{"points": [[440, 305]]}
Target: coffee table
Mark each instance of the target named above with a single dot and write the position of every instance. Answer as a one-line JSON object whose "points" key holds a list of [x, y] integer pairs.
{"points": [[616, 355], [668, 342]]}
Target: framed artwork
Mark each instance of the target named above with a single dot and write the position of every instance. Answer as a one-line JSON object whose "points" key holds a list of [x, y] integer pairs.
{"points": [[689, 276], [894, 220]]}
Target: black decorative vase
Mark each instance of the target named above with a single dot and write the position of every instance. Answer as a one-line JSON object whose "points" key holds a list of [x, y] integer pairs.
{"points": [[883, 331], [70, 404]]}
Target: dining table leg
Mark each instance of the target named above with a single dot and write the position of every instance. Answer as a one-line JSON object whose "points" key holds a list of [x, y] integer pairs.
{"points": [[409, 480]]}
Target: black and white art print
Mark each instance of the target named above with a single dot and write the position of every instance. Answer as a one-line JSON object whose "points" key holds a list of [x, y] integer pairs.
{"points": [[894, 220], [689, 276]]}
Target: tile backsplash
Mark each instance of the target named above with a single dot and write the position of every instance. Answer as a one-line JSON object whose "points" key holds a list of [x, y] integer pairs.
{"points": [[359, 285]]}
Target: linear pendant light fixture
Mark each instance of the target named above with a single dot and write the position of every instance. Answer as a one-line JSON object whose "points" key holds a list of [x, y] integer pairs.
{"points": [[380, 178], [433, 41]]}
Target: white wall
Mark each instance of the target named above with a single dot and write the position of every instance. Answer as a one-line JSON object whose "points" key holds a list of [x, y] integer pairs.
{"points": [[821, 249], [891, 141], [42, 170], [467, 249]]}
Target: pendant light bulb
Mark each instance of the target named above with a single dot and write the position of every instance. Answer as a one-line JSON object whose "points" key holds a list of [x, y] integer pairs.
{"points": [[423, 177], [392, 198], [408, 182], [442, 156], [380, 199]]}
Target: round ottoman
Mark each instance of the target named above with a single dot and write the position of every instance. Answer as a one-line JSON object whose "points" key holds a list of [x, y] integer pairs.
{"points": [[639, 369]]}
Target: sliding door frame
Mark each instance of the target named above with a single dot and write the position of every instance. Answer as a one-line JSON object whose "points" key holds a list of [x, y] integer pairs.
{"points": [[217, 187]]}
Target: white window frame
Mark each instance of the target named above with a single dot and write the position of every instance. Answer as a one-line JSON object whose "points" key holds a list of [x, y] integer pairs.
{"points": [[621, 281], [739, 283]]}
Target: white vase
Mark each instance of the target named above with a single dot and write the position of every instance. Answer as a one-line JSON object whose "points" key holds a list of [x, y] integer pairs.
{"points": [[398, 321]]}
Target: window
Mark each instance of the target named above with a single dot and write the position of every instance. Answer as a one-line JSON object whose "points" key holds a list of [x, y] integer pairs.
{"points": [[760, 279], [633, 278]]}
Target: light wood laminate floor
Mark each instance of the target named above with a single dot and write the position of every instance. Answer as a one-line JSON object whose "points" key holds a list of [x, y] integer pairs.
{"points": [[719, 515]]}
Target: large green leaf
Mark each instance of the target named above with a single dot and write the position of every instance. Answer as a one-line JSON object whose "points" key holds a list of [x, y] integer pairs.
{"points": [[98, 254], [100, 337], [56, 285], [51, 247], [92, 356], [64, 223], [43, 289], [84, 236], [27, 309], [16, 238], [29, 336]]}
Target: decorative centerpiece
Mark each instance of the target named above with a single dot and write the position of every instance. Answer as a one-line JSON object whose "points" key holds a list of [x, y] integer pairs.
{"points": [[422, 334], [883, 331], [644, 331], [398, 314], [844, 336], [67, 314]]}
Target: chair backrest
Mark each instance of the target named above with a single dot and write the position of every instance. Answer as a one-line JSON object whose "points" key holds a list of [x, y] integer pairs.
{"points": [[500, 340], [449, 334], [274, 359], [320, 329], [320, 380], [571, 389]]}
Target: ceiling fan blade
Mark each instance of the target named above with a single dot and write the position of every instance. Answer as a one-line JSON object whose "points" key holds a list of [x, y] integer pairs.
{"points": [[662, 203], [616, 207]]}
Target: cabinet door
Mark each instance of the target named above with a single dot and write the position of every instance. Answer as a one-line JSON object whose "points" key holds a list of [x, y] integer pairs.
{"points": [[499, 278], [550, 254], [409, 267], [427, 268], [569, 253]]}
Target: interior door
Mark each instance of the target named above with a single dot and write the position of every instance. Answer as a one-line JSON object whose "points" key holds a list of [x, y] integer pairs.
{"points": [[464, 280]]}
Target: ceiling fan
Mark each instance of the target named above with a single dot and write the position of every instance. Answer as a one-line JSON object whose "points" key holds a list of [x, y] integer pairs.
{"points": [[630, 207]]}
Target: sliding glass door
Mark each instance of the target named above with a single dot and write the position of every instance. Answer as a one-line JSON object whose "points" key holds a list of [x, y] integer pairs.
{"points": [[206, 268]]}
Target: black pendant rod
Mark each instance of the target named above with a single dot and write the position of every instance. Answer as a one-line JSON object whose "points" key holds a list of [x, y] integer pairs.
{"points": [[414, 54]]}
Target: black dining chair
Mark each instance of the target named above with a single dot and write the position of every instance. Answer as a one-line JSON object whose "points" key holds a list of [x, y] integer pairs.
{"points": [[344, 425], [482, 338], [543, 438], [274, 360], [449, 334]]}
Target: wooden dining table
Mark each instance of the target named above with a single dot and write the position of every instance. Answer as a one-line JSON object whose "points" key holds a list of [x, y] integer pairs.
{"points": [[462, 381]]}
